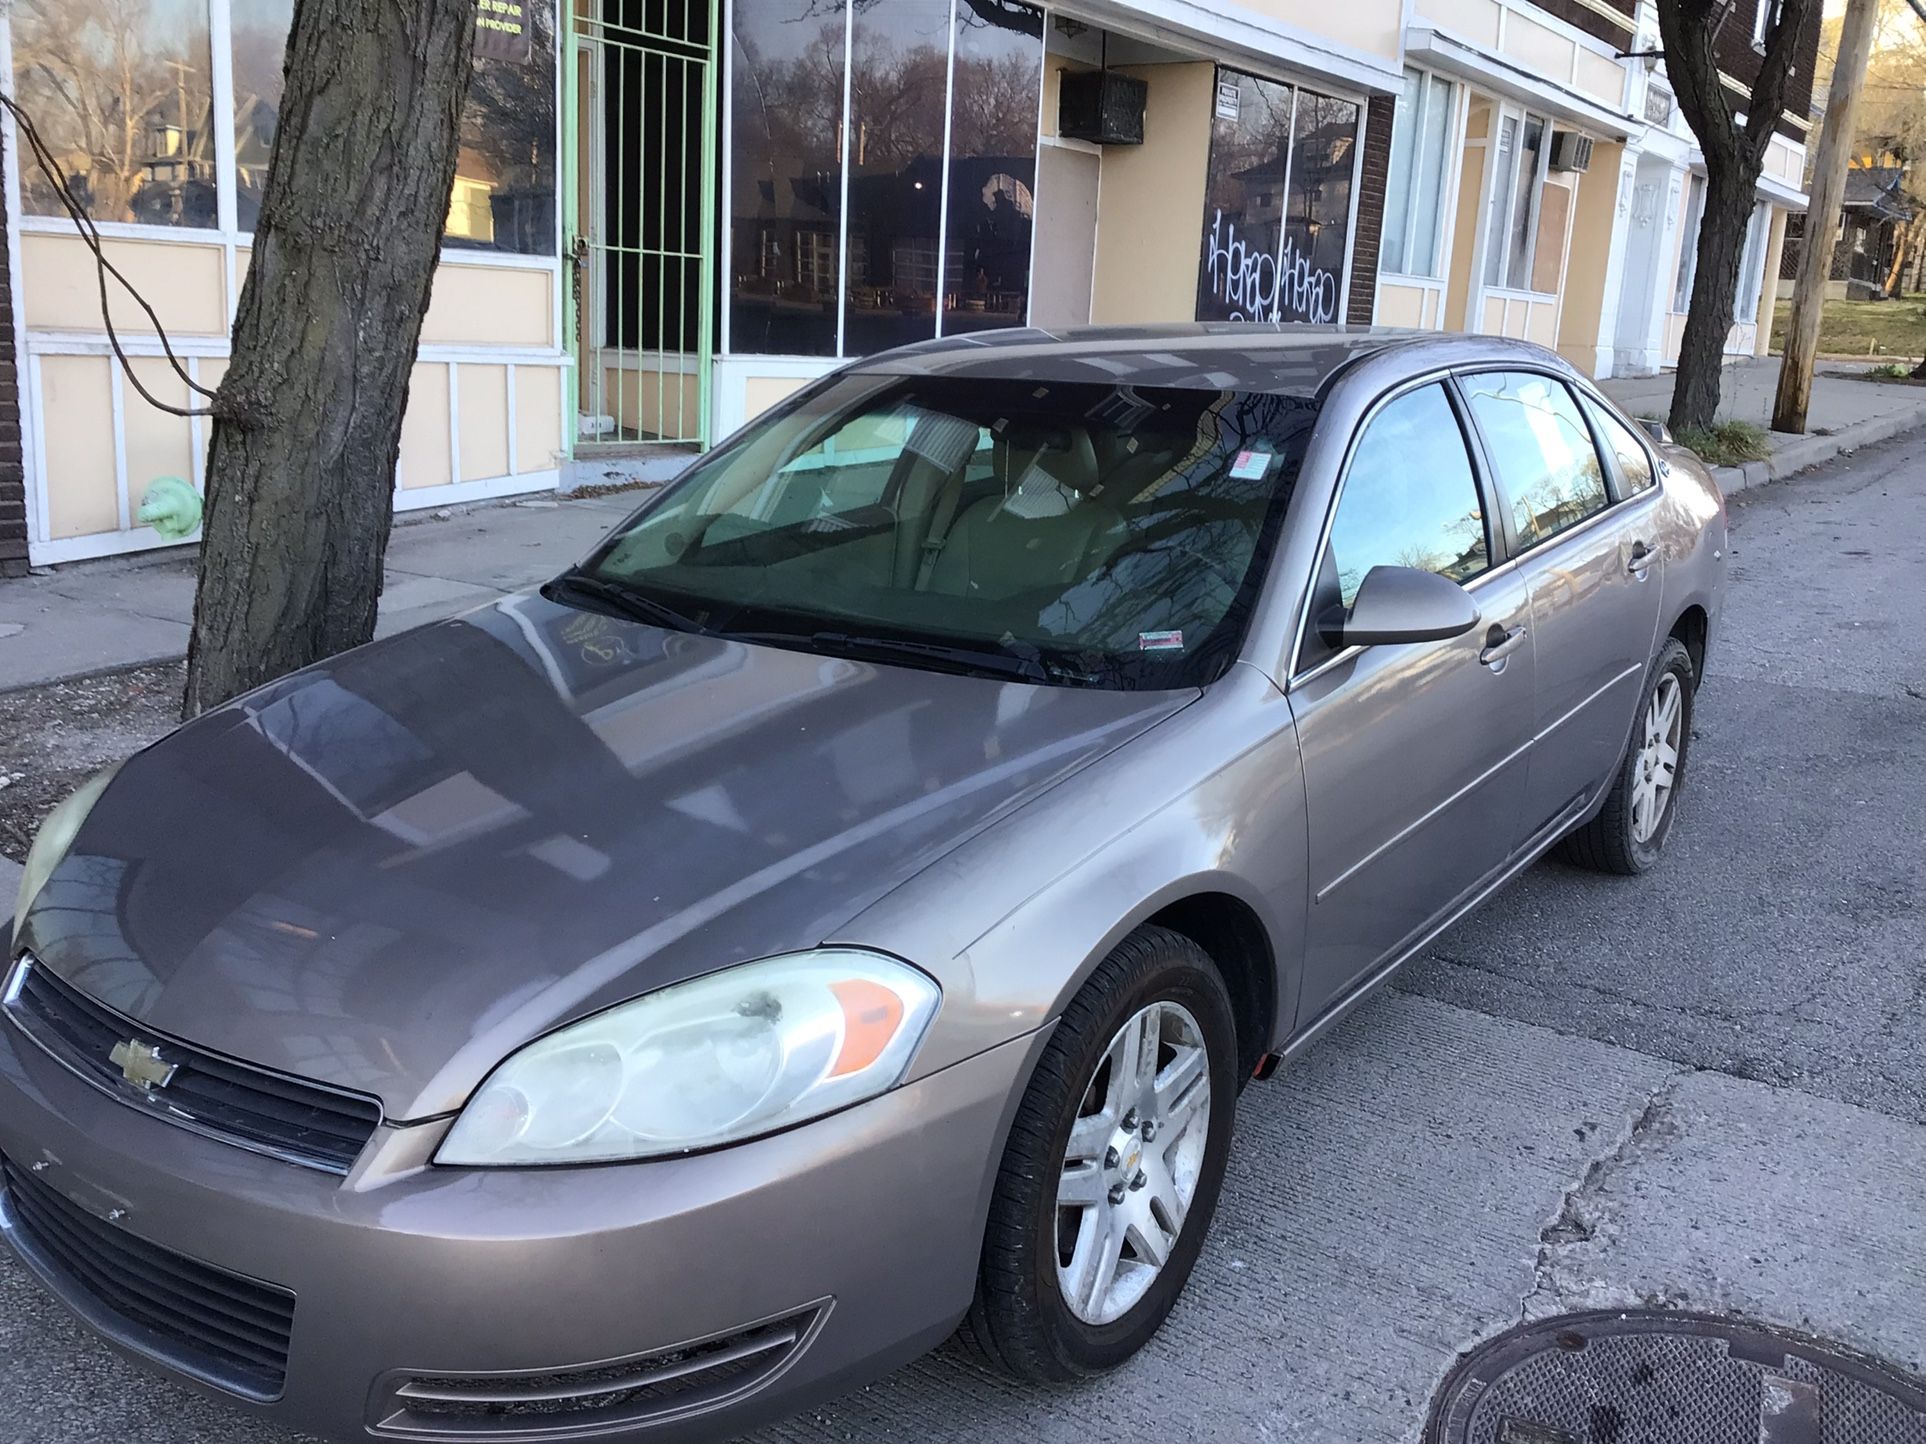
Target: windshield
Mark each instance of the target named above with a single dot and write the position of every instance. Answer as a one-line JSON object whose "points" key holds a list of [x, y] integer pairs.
{"points": [[1069, 533]]}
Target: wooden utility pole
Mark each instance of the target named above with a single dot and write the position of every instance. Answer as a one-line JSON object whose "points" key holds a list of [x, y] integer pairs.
{"points": [[1822, 215]]}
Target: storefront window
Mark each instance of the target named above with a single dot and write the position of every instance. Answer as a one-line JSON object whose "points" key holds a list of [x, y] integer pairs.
{"points": [[1317, 216], [504, 195], [785, 203], [260, 43], [1689, 244], [1250, 145], [1277, 203], [120, 92], [504, 192], [1516, 188], [899, 62], [993, 165], [1420, 152]]}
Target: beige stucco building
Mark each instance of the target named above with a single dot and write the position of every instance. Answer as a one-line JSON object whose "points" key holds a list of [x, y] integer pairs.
{"points": [[662, 226], [1568, 187]]}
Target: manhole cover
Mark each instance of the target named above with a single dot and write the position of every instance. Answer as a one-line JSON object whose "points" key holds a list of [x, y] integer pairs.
{"points": [[1671, 1378]]}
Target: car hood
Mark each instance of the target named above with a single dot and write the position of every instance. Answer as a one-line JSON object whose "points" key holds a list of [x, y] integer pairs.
{"points": [[388, 871]]}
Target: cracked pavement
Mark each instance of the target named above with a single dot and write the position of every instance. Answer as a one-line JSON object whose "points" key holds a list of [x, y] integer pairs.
{"points": [[1702, 1088]]}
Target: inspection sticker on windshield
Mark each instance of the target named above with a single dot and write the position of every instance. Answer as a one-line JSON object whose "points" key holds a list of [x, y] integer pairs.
{"points": [[1160, 641], [1250, 465]]}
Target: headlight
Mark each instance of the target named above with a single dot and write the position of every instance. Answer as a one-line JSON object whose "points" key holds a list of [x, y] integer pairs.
{"points": [[716, 1060], [56, 835]]}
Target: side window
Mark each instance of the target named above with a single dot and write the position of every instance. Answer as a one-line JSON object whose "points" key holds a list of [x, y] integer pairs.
{"points": [[1393, 513], [1633, 461], [1541, 448]]}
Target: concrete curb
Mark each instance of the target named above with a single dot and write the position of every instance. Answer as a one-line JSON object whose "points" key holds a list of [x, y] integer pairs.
{"points": [[1794, 454]]}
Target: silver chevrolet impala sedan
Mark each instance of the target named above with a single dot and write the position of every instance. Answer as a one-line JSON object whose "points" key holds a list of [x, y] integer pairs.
{"points": [[850, 903]]}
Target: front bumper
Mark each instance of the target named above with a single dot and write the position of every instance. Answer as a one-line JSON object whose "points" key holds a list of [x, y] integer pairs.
{"points": [[855, 1238]]}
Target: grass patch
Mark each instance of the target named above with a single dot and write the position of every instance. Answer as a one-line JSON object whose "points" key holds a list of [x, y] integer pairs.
{"points": [[1893, 371], [1726, 443], [1864, 328]]}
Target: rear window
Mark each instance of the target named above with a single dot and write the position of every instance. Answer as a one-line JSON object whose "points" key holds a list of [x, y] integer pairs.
{"points": [[1542, 450], [1632, 461]]}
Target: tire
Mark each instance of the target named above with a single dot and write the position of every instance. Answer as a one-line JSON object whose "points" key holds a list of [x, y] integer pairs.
{"points": [[1023, 1321], [1620, 839]]}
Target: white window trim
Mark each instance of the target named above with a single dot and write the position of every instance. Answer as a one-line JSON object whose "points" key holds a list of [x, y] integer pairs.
{"points": [[227, 230], [724, 56], [1523, 116], [1448, 178]]}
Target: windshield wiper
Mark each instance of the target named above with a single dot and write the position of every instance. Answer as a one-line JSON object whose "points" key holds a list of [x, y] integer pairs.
{"points": [[617, 600], [938, 656]]}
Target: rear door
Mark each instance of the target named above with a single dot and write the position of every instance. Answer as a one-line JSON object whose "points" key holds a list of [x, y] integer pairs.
{"points": [[1414, 755], [1581, 525]]}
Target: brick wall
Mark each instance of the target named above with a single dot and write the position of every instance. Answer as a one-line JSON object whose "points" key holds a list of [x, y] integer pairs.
{"points": [[1586, 17], [1739, 60], [1372, 180], [13, 483]]}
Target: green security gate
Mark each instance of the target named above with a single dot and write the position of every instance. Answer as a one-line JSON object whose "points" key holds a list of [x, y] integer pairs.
{"points": [[642, 176]]}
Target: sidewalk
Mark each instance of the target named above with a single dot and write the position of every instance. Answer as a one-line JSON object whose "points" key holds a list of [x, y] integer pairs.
{"points": [[1846, 413], [95, 616]]}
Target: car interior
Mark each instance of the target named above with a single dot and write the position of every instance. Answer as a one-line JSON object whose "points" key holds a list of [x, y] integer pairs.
{"points": [[1078, 516]]}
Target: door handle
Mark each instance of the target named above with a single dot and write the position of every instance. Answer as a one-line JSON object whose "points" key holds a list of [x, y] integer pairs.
{"points": [[1500, 644], [1640, 559]]}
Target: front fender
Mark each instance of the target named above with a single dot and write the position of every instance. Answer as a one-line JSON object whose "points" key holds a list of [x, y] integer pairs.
{"points": [[1014, 922]]}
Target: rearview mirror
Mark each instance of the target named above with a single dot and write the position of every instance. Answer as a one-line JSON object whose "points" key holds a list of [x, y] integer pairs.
{"points": [[1657, 430], [1401, 604]]}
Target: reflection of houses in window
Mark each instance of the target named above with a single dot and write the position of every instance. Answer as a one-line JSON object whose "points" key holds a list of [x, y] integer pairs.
{"points": [[255, 119], [176, 185], [470, 217]]}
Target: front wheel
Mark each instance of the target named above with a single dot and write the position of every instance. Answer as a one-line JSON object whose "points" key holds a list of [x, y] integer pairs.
{"points": [[1113, 1166], [1631, 827]]}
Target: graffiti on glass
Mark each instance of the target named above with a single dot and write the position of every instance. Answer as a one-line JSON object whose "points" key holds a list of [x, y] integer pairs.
{"points": [[1258, 285]]}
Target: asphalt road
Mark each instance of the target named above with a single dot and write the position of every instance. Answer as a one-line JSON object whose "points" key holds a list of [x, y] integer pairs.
{"points": [[1704, 1087]]}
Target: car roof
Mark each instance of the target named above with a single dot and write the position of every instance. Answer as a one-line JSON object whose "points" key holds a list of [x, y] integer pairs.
{"points": [[1290, 360]]}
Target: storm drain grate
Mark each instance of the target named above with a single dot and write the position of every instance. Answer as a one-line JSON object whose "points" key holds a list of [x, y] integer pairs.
{"points": [[1654, 1377]]}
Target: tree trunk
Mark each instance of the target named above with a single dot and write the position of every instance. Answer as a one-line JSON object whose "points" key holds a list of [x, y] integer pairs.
{"points": [[1715, 285], [300, 488], [1734, 156]]}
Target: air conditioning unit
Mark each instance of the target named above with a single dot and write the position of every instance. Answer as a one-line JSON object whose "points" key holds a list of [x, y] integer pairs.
{"points": [[1571, 151], [1101, 106]]}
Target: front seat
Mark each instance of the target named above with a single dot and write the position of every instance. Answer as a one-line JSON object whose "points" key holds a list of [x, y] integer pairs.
{"points": [[1045, 532]]}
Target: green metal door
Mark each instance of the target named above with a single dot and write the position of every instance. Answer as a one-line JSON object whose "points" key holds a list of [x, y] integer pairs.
{"points": [[642, 122]]}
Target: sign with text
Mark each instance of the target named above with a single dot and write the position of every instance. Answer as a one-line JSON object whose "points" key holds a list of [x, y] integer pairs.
{"points": [[501, 31]]}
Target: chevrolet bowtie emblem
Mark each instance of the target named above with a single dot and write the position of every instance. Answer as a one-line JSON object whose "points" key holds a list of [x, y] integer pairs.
{"points": [[142, 1065]]}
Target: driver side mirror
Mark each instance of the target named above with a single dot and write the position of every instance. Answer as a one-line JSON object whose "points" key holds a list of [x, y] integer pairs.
{"points": [[1400, 604]]}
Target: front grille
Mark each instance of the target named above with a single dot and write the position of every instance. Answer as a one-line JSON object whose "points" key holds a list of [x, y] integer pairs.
{"points": [[596, 1399], [289, 1118], [218, 1326]]}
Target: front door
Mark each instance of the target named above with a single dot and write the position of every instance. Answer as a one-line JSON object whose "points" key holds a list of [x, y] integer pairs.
{"points": [[1586, 540], [1414, 755]]}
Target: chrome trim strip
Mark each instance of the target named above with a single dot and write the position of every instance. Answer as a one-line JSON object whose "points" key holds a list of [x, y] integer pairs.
{"points": [[1486, 484], [1530, 742], [158, 1106], [1384, 399], [1349, 1002]]}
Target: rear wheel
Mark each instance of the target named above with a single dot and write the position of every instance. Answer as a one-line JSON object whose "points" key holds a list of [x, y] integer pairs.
{"points": [[1630, 829], [1113, 1167]]}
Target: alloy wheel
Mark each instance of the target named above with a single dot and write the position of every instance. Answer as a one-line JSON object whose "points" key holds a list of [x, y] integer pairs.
{"points": [[1658, 757], [1133, 1161]]}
